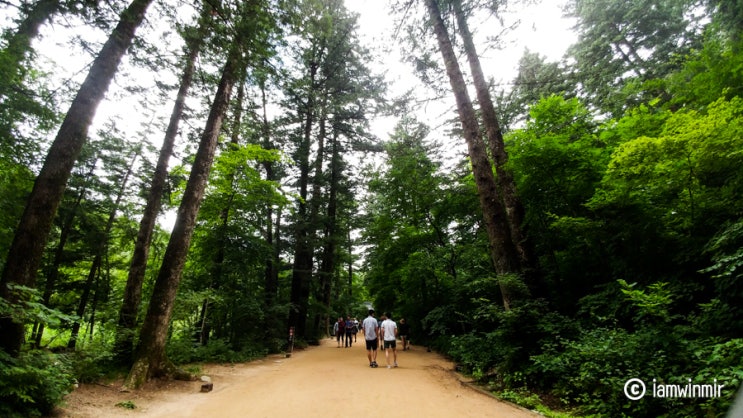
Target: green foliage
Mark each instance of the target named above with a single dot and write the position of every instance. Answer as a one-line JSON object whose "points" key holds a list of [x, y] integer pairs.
{"points": [[127, 405], [591, 371], [32, 384], [16, 181], [184, 351], [91, 364], [654, 303], [709, 73], [527, 399], [30, 308], [621, 45]]}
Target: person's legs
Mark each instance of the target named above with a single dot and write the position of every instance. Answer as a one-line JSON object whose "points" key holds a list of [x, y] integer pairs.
{"points": [[387, 354], [374, 351], [369, 347]]}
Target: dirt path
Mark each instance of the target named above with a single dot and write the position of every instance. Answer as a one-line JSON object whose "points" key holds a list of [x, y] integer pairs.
{"points": [[322, 381]]}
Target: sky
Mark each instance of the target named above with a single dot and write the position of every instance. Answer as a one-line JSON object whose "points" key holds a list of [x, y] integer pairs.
{"points": [[542, 29]]}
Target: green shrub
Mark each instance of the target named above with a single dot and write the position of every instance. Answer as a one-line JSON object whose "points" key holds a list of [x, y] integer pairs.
{"points": [[184, 351], [592, 370], [92, 363], [32, 384]]}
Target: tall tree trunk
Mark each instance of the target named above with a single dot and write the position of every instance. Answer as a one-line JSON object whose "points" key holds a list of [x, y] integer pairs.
{"points": [[33, 229], [94, 306], [316, 198], [150, 359], [350, 263], [124, 342], [504, 178], [271, 272], [83, 302], [328, 260], [302, 268], [503, 253]]}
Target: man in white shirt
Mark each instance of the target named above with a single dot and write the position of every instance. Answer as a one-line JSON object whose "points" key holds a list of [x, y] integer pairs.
{"points": [[389, 334], [370, 328]]}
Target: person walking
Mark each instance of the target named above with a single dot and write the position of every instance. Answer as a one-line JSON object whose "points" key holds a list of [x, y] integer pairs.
{"points": [[389, 335], [381, 319], [404, 332], [370, 328], [340, 330], [349, 331]]}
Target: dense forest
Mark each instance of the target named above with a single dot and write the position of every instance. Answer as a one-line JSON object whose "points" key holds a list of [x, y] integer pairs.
{"points": [[590, 233]]}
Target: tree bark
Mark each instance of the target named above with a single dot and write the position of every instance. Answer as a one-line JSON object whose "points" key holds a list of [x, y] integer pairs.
{"points": [[124, 342], [83, 302], [302, 268], [328, 260], [33, 229], [271, 272], [504, 178], [503, 253], [150, 358]]}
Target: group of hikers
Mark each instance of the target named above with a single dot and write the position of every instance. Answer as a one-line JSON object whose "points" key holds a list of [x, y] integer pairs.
{"points": [[384, 331]]}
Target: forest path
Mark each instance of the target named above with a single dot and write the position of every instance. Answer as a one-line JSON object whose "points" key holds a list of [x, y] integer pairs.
{"points": [[322, 381]]}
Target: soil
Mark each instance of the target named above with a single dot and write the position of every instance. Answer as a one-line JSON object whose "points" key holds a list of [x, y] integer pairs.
{"points": [[321, 381]]}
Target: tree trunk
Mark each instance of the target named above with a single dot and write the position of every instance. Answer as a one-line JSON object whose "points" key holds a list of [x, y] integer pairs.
{"points": [[94, 271], [302, 268], [271, 272], [150, 359], [503, 253], [328, 261], [504, 178], [271, 286], [124, 343], [33, 229]]}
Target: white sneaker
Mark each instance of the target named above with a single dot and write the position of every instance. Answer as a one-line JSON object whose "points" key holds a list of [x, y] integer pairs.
{"points": [[389, 367]]}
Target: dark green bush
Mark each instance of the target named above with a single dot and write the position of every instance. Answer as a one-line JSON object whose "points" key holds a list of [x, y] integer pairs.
{"points": [[184, 351], [91, 364], [32, 384]]}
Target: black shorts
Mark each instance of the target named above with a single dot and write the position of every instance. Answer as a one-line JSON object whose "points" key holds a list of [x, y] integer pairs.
{"points": [[371, 344], [390, 344]]}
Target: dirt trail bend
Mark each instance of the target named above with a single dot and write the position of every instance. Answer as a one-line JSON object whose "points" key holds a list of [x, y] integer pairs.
{"points": [[323, 381]]}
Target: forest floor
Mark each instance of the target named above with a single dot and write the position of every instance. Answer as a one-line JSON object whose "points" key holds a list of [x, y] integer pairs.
{"points": [[321, 381]]}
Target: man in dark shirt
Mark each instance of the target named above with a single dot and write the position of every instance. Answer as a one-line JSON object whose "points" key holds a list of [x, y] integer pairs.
{"points": [[404, 331]]}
